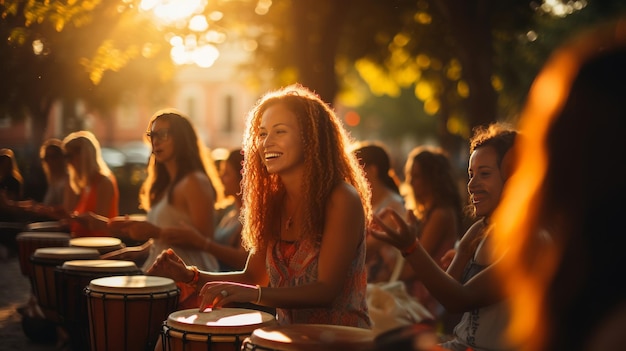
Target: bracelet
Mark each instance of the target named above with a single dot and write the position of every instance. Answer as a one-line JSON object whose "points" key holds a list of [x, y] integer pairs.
{"points": [[409, 250], [258, 299], [196, 276]]}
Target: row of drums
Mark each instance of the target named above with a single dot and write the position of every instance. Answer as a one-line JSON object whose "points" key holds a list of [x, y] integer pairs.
{"points": [[110, 305]]}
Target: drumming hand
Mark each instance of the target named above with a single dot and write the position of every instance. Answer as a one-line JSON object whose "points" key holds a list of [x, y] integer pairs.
{"points": [[141, 231], [219, 294], [402, 237], [185, 235], [91, 221], [169, 265]]}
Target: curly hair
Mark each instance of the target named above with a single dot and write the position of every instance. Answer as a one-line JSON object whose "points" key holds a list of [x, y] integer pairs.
{"points": [[498, 135], [328, 162], [190, 154]]}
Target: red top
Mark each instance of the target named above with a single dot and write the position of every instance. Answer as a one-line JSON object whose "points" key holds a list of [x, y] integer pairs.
{"points": [[88, 202]]}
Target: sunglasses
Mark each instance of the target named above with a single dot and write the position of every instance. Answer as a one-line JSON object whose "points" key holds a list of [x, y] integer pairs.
{"points": [[160, 135]]}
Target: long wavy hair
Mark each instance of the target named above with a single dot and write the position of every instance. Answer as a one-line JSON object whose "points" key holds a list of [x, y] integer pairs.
{"points": [[87, 147], [327, 159], [51, 144], [438, 176], [14, 169], [190, 155]]}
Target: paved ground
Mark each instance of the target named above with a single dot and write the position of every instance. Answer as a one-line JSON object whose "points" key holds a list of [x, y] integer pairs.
{"points": [[14, 292]]}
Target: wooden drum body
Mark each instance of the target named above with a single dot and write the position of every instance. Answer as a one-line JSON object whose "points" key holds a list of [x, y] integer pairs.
{"points": [[103, 244], [28, 242], [222, 329], [310, 337], [72, 278], [44, 262], [126, 312]]}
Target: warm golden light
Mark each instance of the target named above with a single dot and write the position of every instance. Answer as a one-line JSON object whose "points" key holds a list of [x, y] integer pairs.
{"points": [[424, 91], [171, 11], [37, 47], [194, 49], [273, 335]]}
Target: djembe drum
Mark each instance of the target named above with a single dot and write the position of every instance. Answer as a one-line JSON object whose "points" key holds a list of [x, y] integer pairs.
{"points": [[103, 244], [222, 329], [28, 242], [44, 262], [309, 337], [126, 312], [72, 278]]}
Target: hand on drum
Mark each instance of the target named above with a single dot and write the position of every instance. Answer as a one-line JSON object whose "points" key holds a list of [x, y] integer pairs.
{"points": [[219, 294], [91, 221], [185, 236], [136, 230], [401, 238], [169, 265]]}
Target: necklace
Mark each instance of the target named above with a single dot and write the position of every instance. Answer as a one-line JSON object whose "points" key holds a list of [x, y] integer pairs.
{"points": [[289, 221]]}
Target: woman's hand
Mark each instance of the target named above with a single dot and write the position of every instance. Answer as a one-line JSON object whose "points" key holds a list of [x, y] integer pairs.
{"points": [[186, 236], [404, 236], [447, 258], [168, 264], [136, 230], [91, 221], [218, 294]]}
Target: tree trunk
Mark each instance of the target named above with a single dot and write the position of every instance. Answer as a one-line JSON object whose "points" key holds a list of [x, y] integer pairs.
{"points": [[317, 25], [470, 23]]}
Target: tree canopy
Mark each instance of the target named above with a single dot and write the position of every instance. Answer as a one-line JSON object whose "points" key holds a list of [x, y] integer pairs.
{"points": [[447, 64]]}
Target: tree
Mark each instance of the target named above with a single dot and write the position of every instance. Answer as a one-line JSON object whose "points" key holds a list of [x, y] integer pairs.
{"points": [[76, 50]]}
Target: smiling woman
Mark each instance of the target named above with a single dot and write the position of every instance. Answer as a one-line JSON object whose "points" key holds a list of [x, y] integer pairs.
{"points": [[306, 204]]}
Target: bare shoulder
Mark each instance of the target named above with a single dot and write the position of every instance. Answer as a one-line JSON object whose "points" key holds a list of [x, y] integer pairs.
{"points": [[195, 180], [345, 194]]}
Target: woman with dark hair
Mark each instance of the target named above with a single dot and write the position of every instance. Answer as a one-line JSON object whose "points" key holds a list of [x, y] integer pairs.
{"points": [[438, 206], [306, 206], [11, 180], [55, 169], [381, 257], [179, 193], [471, 284]]}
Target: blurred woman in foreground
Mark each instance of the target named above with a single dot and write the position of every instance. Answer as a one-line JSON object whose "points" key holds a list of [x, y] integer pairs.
{"points": [[570, 181]]}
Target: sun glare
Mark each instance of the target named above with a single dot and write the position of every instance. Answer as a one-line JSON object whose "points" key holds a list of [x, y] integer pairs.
{"points": [[172, 11], [197, 48]]}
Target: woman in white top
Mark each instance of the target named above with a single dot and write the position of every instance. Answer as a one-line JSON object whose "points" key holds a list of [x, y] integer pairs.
{"points": [[179, 193]]}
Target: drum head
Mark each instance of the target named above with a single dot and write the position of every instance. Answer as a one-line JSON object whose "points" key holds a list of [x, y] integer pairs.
{"points": [[97, 242], [304, 337], [108, 266], [43, 236], [132, 284], [47, 226], [219, 321], [66, 253]]}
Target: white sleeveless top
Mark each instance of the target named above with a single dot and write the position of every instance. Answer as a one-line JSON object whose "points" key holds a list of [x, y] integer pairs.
{"points": [[163, 214]]}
